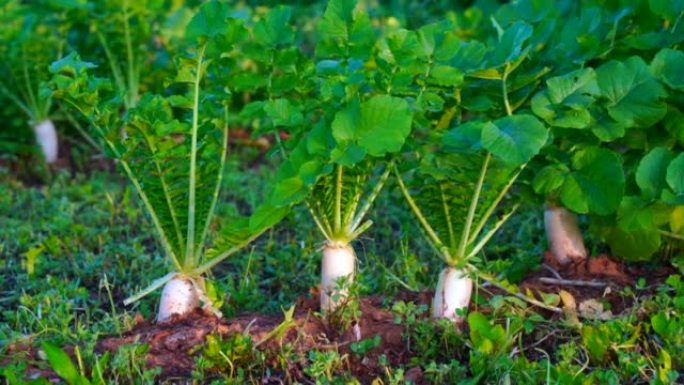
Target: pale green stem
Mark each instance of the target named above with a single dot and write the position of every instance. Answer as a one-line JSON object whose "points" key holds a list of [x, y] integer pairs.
{"points": [[490, 233], [358, 231], [216, 260], [324, 218], [352, 205], [156, 284], [494, 282], [671, 235], [371, 198], [319, 224], [138, 188], [219, 180], [338, 201], [81, 130], [189, 251], [473, 207], [116, 71], [29, 89], [432, 235], [504, 89], [22, 106], [165, 188], [447, 215], [132, 93], [483, 221]]}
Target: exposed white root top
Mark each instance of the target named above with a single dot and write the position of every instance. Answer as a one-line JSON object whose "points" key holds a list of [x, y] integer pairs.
{"points": [[338, 261], [453, 292], [46, 136], [565, 238], [179, 296]]}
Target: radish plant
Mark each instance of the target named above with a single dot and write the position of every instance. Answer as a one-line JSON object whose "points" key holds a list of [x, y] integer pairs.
{"points": [[339, 162], [29, 41], [458, 191], [589, 178], [466, 172], [174, 153]]}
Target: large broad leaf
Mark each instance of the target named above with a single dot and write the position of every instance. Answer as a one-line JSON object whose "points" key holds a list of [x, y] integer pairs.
{"points": [[274, 28], [634, 96], [344, 32], [667, 66], [465, 138], [635, 213], [675, 175], [566, 100], [378, 125], [596, 184], [548, 180], [210, 21], [634, 245], [511, 43], [514, 139], [338, 17], [650, 174], [668, 9]]}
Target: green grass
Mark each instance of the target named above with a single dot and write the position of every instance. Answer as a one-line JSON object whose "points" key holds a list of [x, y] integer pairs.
{"points": [[72, 250]]}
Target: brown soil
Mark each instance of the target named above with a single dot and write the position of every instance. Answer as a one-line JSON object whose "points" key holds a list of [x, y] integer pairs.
{"points": [[173, 346], [601, 269], [170, 344]]}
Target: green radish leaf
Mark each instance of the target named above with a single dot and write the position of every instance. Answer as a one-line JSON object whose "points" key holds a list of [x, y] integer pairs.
{"points": [[274, 29], [605, 127], [651, 172], [548, 180], [675, 175], [289, 190], [565, 102], [346, 122], [514, 139], [403, 47], [337, 19], [347, 154], [377, 126], [596, 183], [667, 66], [634, 96], [464, 138], [510, 46], [443, 75], [283, 113], [344, 32], [431, 37], [62, 365], [676, 220], [668, 9], [209, 21], [634, 245], [266, 216], [320, 141], [385, 124], [634, 214], [71, 65]]}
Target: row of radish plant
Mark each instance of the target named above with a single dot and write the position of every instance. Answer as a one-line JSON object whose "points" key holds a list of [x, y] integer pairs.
{"points": [[574, 106]]}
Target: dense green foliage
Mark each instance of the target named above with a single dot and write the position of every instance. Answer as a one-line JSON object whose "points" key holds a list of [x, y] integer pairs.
{"points": [[455, 121]]}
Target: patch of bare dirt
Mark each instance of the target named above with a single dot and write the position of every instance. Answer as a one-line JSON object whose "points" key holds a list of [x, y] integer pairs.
{"points": [[171, 344], [598, 278]]}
